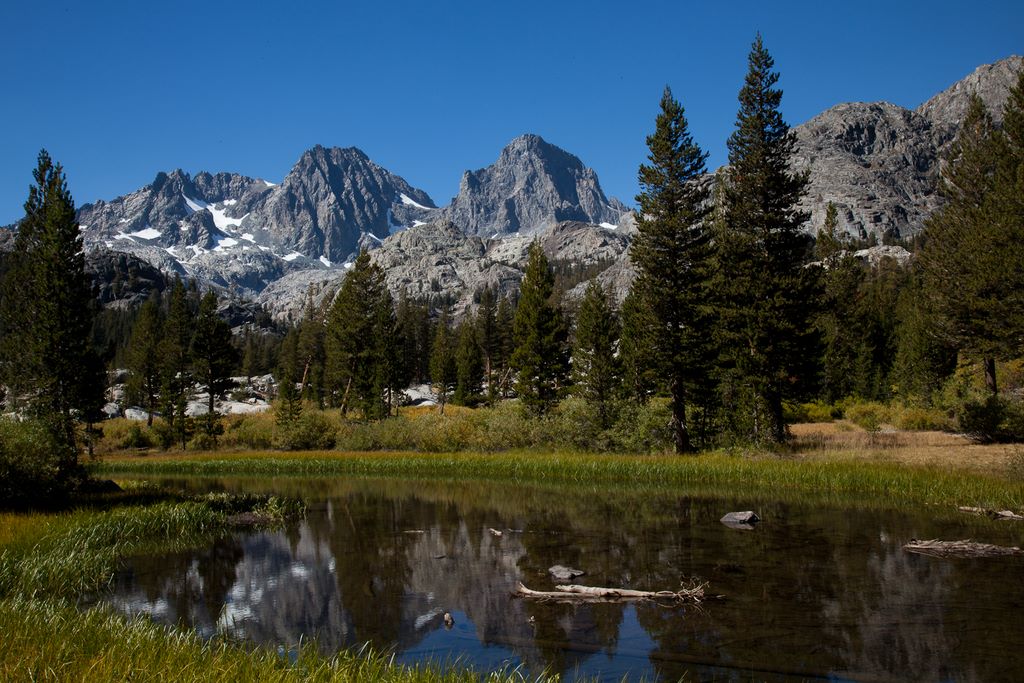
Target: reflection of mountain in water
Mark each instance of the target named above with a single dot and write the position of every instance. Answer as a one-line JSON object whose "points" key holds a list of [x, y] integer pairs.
{"points": [[811, 592]]}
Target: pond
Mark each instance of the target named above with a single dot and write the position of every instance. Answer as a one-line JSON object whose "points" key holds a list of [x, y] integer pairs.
{"points": [[810, 592]]}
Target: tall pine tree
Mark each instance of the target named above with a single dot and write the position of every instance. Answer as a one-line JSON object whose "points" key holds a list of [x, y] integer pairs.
{"points": [[47, 311], [176, 363], [596, 369], [144, 358], [767, 297], [672, 254], [213, 357], [469, 363], [360, 342], [442, 360], [962, 263], [540, 361]]}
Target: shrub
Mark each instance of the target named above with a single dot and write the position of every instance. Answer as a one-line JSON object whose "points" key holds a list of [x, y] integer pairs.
{"points": [[644, 428], [255, 431], [868, 415], [137, 437], [981, 418], [312, 431], [163, 433], [920, 419], [29, 463]]}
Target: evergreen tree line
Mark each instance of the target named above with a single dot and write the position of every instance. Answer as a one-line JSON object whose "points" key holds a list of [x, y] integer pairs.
{"points": [[179, 345], [734, 312]]}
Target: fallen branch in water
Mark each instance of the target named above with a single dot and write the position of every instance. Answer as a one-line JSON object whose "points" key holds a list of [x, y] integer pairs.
{"points": [[965, 548], [694, 594], [1003, 515]]}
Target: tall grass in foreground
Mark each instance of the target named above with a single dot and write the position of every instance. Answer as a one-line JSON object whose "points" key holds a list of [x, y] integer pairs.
{"points": [[70, 554], [53, 641], [836, 481]]}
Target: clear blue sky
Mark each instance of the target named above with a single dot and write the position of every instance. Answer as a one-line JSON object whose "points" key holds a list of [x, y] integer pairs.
{"points": [[117, 91]]}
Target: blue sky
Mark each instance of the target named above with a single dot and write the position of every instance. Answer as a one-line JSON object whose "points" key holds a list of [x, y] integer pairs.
{"points": [[117, 91]]}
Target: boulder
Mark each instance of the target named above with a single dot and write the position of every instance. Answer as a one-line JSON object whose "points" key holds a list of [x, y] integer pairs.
{"points": [[745, 521], [565, 573]]}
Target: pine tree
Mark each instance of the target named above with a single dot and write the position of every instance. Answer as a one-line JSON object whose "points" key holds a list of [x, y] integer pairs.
{"points": [[489, 339], [971, 261], [144, 358], [311, 354], [596, 370], [839, 322], [289, 398], [469, 363], [766, 295], [361, 352], [176, 362], [47, 312], [442, 361], [672, 254], [639, 375], [540, 360], [213, 357], [504, 345]]}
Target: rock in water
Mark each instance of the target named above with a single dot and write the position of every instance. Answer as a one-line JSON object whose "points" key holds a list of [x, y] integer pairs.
{"points": [[745, 520], [565, 573]]}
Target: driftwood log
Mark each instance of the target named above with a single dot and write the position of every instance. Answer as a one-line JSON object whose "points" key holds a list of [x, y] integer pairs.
{"points": [[964, 548], [1002, 515], [695, 594]]}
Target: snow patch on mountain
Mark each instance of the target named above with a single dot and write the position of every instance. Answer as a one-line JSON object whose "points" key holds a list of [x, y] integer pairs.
{"points": [[409, 201], [147, 233]]}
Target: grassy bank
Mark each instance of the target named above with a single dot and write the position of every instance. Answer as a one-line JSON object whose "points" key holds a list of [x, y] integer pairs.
{"points": [[49, 560], [100, 646], [837, 480]]}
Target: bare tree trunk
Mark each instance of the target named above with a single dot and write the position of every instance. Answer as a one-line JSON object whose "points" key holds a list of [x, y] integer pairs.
{"points": [[344, 397], [990, 376]]}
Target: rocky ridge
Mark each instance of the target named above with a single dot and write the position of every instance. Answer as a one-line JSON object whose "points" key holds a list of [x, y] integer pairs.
{"points": [[879, 163]]}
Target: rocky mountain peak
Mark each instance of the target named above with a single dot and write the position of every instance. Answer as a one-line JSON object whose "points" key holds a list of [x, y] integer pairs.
{"points": [[990, 82], [532, 185], [330, 199], [879, 163]]}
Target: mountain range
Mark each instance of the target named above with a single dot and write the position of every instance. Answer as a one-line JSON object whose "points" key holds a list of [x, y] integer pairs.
{"points": [[276, 243]]}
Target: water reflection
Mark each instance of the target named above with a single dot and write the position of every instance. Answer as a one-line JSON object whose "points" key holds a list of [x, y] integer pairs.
{"points": [[811, 592]]}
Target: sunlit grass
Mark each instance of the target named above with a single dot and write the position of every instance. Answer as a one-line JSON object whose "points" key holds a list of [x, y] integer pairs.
{"points": [[74, 553], [837, 479], [53, 641]]}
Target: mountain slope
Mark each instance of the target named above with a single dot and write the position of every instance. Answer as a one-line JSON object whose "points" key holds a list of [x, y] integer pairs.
{"points": [[879, 163]]}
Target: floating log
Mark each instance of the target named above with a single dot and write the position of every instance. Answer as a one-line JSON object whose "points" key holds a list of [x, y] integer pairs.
{"points": [[695, 594], [964, 548], [1001, 515]]}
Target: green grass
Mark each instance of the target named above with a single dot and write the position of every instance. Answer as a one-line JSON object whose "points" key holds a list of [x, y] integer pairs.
{"points": [[783, 479], [48, 560], [53, 641], [66, 555]]}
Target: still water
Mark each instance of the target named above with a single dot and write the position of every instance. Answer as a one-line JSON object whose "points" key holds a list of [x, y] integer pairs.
{"points": [[811, 592]]}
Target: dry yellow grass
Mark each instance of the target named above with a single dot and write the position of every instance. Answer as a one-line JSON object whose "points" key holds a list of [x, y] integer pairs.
{"points": [[843, 440]]}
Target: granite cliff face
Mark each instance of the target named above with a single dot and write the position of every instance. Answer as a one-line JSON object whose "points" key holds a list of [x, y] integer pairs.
{"points": [[532, 185], [879, 163]]}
